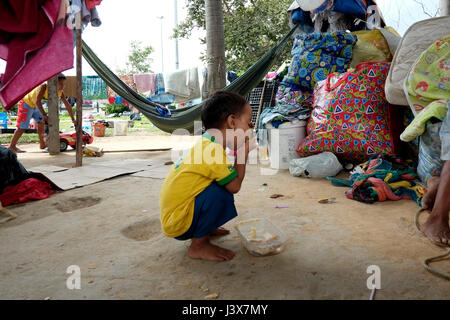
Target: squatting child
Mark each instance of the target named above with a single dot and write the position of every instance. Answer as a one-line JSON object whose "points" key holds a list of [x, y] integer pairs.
{"points": [[197, 195]]}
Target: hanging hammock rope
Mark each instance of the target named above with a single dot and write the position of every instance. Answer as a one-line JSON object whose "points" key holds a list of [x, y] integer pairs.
{"points": [[183, 118]]}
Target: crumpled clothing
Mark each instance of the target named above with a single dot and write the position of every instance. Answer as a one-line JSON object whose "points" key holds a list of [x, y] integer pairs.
{"points": [[11, 170], [162, 98], [286, 95], [291, 105], [91, 4], [163, 112], [87, 15], [382, 178], [437, 109], [231, 76], [29, 189]]}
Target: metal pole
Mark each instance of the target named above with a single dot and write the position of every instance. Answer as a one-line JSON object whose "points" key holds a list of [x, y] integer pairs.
{"points": [[444, 6], [177, 62], [162, 44], [79, 156]]}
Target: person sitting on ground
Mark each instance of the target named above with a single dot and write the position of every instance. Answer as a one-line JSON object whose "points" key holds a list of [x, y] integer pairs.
{"points": [[31, 107], [437, 199], [197, 194]]}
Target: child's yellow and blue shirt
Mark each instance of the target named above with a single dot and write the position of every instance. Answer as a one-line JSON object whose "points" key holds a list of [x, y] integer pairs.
{"points": [[199, 166]]}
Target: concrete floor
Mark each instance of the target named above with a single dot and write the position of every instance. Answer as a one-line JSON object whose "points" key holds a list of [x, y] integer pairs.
{"points": [[111, 231]]}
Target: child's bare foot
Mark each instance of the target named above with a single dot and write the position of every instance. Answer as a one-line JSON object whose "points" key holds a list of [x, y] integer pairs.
{"points": [[430, 196], [219, 232], [16, 150], [437, 230], [201, 248]]}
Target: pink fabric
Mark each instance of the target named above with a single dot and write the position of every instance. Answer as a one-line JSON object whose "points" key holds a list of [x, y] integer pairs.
{"points": [[54, 56], [271, 75], [145, 82], [26, 25]]}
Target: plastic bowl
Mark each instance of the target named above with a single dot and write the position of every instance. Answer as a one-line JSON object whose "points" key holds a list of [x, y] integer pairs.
{"points": [[261, 237]]}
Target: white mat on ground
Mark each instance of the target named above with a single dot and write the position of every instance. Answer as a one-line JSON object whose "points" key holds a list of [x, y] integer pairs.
{"points": [[45, 168], [67, 179], [159, 172]]}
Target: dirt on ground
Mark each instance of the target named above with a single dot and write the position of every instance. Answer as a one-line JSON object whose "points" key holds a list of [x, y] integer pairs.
{"points": [[111, 230]]}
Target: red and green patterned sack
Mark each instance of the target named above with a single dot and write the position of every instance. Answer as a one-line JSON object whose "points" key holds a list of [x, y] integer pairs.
{"points": [[351, 115]]}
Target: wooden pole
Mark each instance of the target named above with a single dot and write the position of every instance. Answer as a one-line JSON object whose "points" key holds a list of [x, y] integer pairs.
{"points": [[53, 116], [79, 156]]}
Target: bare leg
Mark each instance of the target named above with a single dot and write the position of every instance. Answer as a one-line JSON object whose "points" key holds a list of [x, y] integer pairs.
{"points": [[17, 134], [41, 133], [201, 248], [219, 232], [436, 228], [430, 196]]}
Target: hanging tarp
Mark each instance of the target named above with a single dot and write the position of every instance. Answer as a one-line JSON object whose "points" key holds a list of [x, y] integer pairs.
{"points": [[94, 88]]}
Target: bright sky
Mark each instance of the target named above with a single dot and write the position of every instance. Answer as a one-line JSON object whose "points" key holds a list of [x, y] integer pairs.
{"points": [[123, 22]]}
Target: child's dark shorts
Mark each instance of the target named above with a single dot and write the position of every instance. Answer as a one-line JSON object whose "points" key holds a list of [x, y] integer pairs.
{"points": [[213, 207]]}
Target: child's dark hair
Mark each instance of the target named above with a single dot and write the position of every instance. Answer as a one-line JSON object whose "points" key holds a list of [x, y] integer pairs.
{"points": [[219, 106]]}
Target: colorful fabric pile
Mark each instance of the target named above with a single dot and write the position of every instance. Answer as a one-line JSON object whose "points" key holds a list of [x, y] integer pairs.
{"points": [[291, 105], [382, 178]]}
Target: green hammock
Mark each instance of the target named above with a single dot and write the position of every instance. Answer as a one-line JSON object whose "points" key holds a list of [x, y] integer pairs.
{"points": [[183, 118]]}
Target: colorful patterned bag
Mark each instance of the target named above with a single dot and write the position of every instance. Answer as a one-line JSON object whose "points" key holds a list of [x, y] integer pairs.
{"points": [[316, 55], [351, 115]]}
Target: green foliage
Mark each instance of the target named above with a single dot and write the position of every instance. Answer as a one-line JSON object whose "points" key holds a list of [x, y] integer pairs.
{"points": [[251, 27], [116, 108], [13, 109], [139, 60]]}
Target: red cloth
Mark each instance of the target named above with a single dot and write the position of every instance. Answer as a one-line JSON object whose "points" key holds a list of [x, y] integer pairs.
{"points": [[29, 189], [125, 102], [36, 47], [90, 4], [111, 100]]}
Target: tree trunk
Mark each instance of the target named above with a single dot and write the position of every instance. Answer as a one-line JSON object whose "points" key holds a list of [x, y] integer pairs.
{"points": [[215, 46]]}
